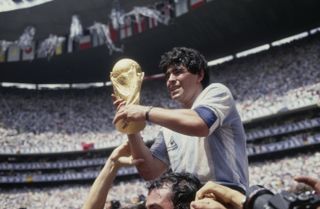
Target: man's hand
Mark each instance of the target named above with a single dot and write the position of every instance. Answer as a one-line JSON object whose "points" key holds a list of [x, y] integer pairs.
{"points": [[121, 156], [312, 182], [117, 103], [206, 203], [130, 113], [222, 194]]}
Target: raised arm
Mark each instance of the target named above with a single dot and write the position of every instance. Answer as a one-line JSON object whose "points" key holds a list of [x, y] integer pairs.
{"points": [[184, 121], [222, 194], [152, 167], [102, 184]]}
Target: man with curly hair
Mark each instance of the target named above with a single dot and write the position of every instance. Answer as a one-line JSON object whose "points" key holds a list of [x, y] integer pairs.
{"points": [[204, 137], [170, 191]]}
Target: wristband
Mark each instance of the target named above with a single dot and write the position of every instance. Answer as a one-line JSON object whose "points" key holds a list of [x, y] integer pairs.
{"points": [[147, 113]]}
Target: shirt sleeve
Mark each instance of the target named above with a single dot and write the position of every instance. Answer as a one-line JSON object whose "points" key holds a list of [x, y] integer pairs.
{"points": [[159, 149], [207, 115], [214, 105]]}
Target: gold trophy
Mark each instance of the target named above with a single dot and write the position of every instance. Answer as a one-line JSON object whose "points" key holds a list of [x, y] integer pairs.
{"points": [[126, 78]]}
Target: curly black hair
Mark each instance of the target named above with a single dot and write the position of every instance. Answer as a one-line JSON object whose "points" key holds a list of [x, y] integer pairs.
{"points": [[183, 186], [192, 59]]}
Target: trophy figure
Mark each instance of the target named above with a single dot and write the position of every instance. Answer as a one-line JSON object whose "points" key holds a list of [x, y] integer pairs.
{"points": [[126, 78]]}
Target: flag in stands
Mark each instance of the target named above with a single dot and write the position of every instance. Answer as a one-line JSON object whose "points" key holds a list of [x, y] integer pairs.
{"points": [[87, 146], [166, 10], [28, 53], [13, 53], [2, 55], [153, 22], [196, 3], [94, 38], [140, 24], [85, 42], [181, 7], [113, 33], [69, 44], [59, 47], [126, 28]]}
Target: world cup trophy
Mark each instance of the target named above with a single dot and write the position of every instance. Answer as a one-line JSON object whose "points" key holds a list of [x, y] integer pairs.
{"points": [[126, 78]]}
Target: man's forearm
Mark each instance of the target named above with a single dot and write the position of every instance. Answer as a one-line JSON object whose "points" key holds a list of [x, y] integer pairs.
{"points": [[101, 186], [185, 121], [151, 167]]}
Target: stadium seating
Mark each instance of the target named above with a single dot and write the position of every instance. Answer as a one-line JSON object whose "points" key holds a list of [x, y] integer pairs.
{"points": [[59, 121]]}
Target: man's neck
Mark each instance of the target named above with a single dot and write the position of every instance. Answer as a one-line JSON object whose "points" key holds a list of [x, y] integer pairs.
{"points": [[190, 102]]}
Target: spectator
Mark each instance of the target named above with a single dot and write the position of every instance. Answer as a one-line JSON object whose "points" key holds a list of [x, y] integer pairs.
{"points": [[272, 174], [101, 186], [213, 195], [310, 181], [170, 191]]}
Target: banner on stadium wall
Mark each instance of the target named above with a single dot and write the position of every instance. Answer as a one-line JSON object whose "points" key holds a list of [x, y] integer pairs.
{"points": [[97, 34], [2, 56], [140, 24], [69, 44], [126, 29], [181, 7], [166, 10], [48, 47], [94, 38], [29, 52], [100, 34], [196, 3], [3, 49], [152, 23], [13, 53], [114, 34], [129, 26], [59, 48], [102, 37], [85, 42]]}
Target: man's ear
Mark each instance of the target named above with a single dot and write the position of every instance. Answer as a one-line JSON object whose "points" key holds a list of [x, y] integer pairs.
{"points": [[201, 75]]}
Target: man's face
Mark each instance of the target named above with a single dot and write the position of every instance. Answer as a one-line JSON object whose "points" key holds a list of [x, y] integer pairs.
{"points": [[182, 85], [159, 199]]}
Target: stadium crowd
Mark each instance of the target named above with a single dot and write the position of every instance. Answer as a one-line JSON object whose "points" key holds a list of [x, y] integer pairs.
{"points": [[275, 130], [275, 175], [63, 175], [42, 122], [48, 121], [56, 121], [286, 143], [280, 79]]}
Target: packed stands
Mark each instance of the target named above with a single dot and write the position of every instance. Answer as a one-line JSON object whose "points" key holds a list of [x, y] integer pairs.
{"points": [[275, 175], [281, 79], [54, 121], [277, 94]]}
